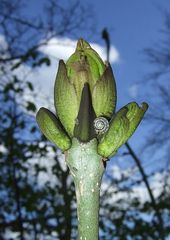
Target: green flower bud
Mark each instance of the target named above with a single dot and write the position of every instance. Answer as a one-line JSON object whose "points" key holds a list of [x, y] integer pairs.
{"points": [[83, 67], [52, 129], [122, 126], [85, 100], [65, 99]]}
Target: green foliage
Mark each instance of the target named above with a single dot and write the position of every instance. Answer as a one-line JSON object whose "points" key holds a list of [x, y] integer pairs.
{"points": [[31, 106]]}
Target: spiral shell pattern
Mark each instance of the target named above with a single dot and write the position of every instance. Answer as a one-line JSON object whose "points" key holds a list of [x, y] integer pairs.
{"points": [[101, 125]]}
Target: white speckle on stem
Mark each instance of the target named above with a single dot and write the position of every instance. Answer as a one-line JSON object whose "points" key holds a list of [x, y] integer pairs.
{"points": [[81, 189], [72, 173]]}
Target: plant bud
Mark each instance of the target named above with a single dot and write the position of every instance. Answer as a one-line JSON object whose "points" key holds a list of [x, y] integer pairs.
{"points": [[85, 101], [83, 67], [52, 129], [122, 126]]}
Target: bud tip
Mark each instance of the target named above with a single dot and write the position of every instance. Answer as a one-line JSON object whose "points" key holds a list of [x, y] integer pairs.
{"points": [[82, 45]]}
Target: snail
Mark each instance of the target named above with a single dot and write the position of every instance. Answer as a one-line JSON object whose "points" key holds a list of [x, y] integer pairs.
{"points": [[101, 125]]}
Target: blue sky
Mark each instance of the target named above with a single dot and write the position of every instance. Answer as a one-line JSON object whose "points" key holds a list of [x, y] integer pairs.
{"points": [[133, 26]]}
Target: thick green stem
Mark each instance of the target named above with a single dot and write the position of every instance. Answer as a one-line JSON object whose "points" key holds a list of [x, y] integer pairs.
{"points": [[87, 168]]}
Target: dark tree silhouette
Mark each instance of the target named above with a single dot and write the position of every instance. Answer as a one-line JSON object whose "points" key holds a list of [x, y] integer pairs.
{"points": [[31, 207], [37, 198]]}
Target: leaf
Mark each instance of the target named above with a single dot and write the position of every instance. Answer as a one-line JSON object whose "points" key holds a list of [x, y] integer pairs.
{"points": [[45, 60], [16, 65], [31, 106], [65, 99], [8, 87], [104, 94], [52, 129], [135, 115], [30, 86], [33, 129], [114, 137], [121, 128]]}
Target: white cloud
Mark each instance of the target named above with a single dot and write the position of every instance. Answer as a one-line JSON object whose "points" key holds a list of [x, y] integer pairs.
{"points": [[62, 48], [3, 42], [10, 235], [3, 149], [44, 77], [133, 90], [137, 191]]}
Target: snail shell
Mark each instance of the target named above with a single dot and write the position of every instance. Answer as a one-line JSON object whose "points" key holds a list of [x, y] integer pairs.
{"points": [[101, 125]]}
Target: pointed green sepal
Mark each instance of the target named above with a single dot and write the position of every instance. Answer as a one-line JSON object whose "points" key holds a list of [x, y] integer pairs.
{"points": [[113, 138], [52, 129], [94, 61], [65, 99], [135, 114], [84, 130], [104, 94], [122, 126], [84, 65]]}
